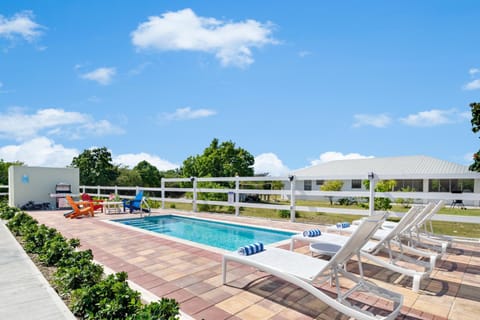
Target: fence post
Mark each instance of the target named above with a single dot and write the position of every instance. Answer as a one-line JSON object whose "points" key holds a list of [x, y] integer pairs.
{"points": [[98, 191], [292, 197], [371, 202], [162, 185], [237, 195], [194, 202]]}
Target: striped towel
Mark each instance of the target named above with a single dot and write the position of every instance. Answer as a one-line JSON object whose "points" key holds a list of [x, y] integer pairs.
{"points": [[343, 225], [312, 233], [250, 249]]}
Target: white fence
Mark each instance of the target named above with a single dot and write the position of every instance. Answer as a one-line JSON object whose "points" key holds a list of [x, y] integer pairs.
{"points": [[237, 194], [3, 190]]}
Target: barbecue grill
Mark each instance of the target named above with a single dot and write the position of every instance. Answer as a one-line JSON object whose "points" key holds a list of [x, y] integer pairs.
{"points": [[61, 190]]}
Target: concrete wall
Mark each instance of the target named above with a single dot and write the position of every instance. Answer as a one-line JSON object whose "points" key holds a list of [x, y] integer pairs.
{"points": [[37, 183]]}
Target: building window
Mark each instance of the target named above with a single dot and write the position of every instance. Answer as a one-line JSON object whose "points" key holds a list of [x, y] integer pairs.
{"points": [[319, 182], [356, 184], [413, 185], [450, 185], [307, 185]]}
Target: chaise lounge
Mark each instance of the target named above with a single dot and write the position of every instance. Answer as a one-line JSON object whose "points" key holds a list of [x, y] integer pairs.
{"points": [[307, 272]]}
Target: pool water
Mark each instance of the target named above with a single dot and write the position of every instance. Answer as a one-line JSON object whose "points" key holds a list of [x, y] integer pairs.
{"points": [[221, 235]]}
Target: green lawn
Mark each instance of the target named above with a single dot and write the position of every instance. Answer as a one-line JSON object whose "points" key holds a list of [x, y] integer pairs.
{"points": [[470, 230]]}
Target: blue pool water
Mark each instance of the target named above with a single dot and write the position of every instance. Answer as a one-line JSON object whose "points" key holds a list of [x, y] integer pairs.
{"points": [[211, 233]]}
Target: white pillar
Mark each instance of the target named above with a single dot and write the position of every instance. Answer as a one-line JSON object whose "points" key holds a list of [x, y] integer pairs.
{"points": [[237, 194], [194, 202], [162, 185], [371, 203], [292, 198]]}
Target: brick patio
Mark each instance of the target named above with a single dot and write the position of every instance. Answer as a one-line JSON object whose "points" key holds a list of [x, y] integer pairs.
{"points": [[192, 274]]}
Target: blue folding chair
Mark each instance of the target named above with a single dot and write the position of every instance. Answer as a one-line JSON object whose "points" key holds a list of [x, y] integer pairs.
{"points": [[135, 204]]}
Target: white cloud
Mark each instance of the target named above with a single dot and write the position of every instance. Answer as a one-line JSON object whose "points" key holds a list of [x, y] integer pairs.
{"points": [[21, 126], [473, 85], [39, 151], [473, 71], [20, 25], [379, 121], [271, 164], [304, 53], [432, 118], [131, 160], [231, 42], [101, 75], [333, 155], [188, 114]]}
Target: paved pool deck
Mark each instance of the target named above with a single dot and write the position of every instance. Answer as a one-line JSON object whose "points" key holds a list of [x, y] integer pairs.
{"points": [[161, 266]]}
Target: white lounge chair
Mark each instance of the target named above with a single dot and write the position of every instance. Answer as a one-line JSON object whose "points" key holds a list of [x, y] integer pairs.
{"points": [[305, 271], [411, 233], [386, 240]]}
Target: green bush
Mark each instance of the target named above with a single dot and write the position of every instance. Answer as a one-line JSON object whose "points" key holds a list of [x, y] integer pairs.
{"points": [[285, 214], [36, 237], [165, 309], [77, 271], [111, 298], [20, 221], [7, 212]]}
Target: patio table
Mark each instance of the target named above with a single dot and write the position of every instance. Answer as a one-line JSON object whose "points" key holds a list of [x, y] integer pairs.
{"points": [[112, 207]]}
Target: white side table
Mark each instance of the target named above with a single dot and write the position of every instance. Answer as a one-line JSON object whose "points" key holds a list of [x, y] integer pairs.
{"points": [[112, 207]]}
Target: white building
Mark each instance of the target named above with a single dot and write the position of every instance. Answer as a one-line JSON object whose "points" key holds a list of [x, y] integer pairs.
{"points": [[420, 173]]}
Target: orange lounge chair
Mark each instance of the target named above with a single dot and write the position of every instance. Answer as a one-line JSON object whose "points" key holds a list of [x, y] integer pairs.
{"points": [[97, 204], [78, 211]]}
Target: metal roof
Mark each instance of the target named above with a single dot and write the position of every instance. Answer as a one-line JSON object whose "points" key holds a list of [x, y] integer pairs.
{"points": [[390, 167]]}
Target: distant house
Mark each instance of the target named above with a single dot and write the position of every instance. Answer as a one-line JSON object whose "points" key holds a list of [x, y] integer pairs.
{"points": [[419, 173]]}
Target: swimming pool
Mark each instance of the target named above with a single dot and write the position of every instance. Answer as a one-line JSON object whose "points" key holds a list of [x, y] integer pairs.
{"points": [[221, 235]]}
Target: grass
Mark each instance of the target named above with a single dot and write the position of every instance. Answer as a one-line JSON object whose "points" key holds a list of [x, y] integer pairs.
{"points": [[469, 230]]}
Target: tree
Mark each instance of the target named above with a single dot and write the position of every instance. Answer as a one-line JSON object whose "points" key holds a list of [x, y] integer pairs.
{"points": [[96, 167], [382, 186], [475, 166], [219, 160], [128, 177], [149, 174], [331, 185], [4, 170]]}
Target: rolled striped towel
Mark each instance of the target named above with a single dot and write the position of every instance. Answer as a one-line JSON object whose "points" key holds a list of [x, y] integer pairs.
{"points": [[312, 233], [250, 249], [343, 225]]}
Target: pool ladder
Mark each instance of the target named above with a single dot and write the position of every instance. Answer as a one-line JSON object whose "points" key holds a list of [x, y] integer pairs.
{"points": [[145, 208]]}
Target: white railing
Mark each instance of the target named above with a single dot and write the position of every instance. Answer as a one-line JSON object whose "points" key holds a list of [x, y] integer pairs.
{"points": [[236, 195], [2, 191]]}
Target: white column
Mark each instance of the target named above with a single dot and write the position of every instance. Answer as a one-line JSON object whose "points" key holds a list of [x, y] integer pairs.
{"points": [[162, 185], [292, 198], [371, 203], [237, 195], [194, 202]]}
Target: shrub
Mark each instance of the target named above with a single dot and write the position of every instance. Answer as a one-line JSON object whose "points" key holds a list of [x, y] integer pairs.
{"points": [[55, 249], [111, 298], [19, 221], [173, 206], [7, 212], [165, 309], [285, 214], [77, 271], [36, 237]]}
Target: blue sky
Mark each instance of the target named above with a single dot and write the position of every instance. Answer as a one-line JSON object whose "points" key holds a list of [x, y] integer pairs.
{"points": [[295, 83]]}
